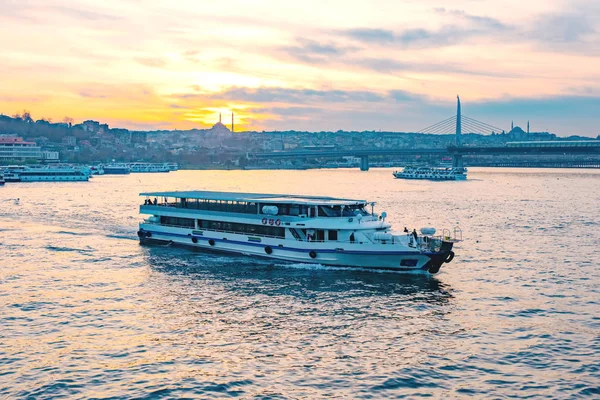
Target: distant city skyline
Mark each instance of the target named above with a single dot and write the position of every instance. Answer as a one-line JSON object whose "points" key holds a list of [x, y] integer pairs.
{"points": [[310, 66]]}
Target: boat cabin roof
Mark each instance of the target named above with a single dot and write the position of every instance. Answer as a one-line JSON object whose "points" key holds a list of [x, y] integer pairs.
{"points": [[257, 198]]}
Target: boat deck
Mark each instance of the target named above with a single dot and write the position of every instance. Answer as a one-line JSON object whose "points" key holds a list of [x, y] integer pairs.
{"points": [[256, 197]]}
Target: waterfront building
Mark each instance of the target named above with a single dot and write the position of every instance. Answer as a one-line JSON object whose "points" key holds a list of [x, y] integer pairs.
{"points": [[16, 149]]}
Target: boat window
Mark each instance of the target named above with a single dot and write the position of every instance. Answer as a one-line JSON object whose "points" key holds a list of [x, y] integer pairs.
{"points": [[260, 230], [218, 205], [179, 222], [327, 211], [409, 263], [333, 235], [320, 235]]}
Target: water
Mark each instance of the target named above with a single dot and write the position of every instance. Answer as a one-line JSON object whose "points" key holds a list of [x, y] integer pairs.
{"points": [[88, 313]]}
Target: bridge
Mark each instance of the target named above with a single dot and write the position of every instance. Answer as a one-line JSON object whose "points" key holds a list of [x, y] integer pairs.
{"points": [[456, 150]]}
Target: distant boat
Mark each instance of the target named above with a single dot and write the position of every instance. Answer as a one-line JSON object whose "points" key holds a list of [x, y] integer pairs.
{"points": [[44, 174], [116, 169], [432, 174], [149, 167]]}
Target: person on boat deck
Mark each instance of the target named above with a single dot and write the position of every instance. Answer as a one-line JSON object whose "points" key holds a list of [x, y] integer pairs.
{"points": [[414, 233], [352, 237], [405, 230], [155, 201]]}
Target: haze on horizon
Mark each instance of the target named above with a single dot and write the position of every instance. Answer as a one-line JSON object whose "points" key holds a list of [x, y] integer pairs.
{"points": [[311, 65]]}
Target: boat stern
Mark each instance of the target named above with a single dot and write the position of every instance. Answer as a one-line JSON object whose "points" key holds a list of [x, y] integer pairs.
{"points": [[437, 258]]}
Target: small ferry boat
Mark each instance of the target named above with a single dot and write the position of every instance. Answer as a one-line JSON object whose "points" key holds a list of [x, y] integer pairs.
{"points": [[149, 167], [97, 170], [309, 229], [431, 173], [44, 174], [116, 169]]}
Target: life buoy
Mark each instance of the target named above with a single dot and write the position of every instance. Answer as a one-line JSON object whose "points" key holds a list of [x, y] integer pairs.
{"points": [[268, 250], [278, 222], [264, 221], [148, 234], [271, 221], [194, 239], [449, 257], [312, 254], [211, 242]]}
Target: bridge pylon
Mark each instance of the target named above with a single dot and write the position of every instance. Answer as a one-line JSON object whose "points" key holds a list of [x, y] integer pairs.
{"points": [[457, 159], [364, 163]]}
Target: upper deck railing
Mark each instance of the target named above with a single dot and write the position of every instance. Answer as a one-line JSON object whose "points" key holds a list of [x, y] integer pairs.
{"points": [[256, 209]]}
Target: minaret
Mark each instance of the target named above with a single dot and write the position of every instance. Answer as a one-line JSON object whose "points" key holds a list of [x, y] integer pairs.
{"points": [[232, 126], [512, 125], [219, 117], [528, 127]]}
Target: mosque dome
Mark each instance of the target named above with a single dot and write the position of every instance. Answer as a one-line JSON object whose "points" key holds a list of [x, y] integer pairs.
{"points": [[219, 127]]}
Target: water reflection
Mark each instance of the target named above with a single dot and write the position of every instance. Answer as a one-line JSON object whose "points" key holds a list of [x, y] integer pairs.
{"points": [[253, 276]]}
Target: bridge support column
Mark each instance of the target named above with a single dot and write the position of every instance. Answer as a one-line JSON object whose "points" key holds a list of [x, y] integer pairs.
{"points": [[364, 163], [457, 161]]}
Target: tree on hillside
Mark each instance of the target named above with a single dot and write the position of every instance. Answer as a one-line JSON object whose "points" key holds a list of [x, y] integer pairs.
{"points": [[26, 116]]}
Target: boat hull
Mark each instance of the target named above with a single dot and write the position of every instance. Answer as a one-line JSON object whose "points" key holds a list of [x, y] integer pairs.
{"points": [[431, 178], [355, 256], [116, 171]]}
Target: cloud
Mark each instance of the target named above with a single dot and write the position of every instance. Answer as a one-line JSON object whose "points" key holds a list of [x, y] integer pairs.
{"points": [[571, 32], [371, 35], [464, 26], [155, 62], [276, 94], [92, 95], [313, 52], [86, 14], [479, 20]]}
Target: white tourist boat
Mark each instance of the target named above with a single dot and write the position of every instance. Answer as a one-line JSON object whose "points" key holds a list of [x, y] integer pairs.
{"points": [[45, 174], [149, 167], [324, 230], [116, 169], [432, 173]]}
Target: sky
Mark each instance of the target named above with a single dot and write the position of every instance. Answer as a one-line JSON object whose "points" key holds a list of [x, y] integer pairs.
{"points": [[316, 65]]}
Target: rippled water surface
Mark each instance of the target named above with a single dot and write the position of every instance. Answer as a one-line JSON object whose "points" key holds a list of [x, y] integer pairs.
{"points": [[86, 312]]}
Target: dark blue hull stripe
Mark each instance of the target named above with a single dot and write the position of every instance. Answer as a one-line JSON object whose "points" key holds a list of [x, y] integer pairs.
{"points": [[384, 253]]}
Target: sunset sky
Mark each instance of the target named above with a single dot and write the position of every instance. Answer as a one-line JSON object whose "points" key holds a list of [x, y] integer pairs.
{"points": [[303, 65]]}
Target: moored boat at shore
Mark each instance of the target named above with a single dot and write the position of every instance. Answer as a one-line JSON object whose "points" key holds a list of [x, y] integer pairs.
{"points": [[309, 229], [45, 174], [149, 167], [116, 169]]}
